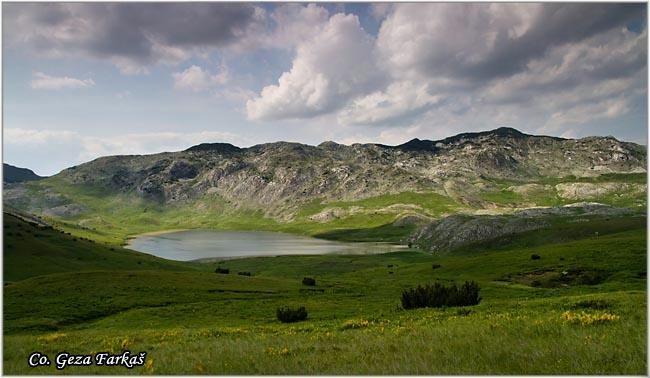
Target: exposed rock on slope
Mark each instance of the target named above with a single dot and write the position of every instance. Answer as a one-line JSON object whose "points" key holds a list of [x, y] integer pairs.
{"points": [[461, 230], [280, 178], [581, 190]]}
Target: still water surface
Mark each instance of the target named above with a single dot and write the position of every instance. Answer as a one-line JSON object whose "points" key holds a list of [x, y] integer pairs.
{"points": [[210, 244]]}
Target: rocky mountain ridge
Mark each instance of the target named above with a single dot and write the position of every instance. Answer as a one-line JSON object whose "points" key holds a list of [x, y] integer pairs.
{"points": [[12, 174], [487, 172], [282, 173]]}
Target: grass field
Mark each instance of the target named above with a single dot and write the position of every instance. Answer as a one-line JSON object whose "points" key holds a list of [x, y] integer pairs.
{"points": [[533, 317]]}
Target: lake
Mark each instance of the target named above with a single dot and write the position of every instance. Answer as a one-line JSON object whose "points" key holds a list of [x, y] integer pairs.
{"points": [[212, 244]]}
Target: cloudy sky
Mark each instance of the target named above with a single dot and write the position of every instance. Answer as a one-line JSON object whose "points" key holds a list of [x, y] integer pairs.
{"points": [[85, 80]]}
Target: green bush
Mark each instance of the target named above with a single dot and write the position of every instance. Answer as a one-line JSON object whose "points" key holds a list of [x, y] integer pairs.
{"points": [[535, 257], [438, 295], [244, 273], [595, 304], [290, 315], [221, 270], [309, 281], [435, 266]]}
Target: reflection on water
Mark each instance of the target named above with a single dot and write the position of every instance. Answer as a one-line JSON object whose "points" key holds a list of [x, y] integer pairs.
{"points": [[208, 244]]}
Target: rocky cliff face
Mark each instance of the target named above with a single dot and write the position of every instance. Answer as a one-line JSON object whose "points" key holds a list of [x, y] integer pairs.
{"points": [[279, 177]]}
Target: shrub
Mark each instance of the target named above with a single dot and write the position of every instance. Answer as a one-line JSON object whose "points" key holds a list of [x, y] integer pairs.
{"points": [[593, 277], [309, 281], [535, 257], [244, 273], [221, 270], [438, 295], [290, 315], [435, 266], [596, 304]]}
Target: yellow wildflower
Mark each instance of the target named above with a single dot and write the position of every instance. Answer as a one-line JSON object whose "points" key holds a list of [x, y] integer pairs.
{"points": [[149, 365]]}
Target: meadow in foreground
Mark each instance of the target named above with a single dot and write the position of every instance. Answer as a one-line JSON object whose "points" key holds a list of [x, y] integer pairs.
{"points": [[190, 320]]}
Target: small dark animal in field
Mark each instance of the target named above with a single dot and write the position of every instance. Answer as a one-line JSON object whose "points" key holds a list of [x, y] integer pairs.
{"points": [[244, 274], [561, 258], [435, 266], [535, 257], [309, 281], [389, 265], [390, 272], [290, 315], [221, 270]]}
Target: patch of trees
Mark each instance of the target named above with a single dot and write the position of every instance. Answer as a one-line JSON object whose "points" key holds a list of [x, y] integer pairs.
{"points": [[439, 295], [290, 315]]}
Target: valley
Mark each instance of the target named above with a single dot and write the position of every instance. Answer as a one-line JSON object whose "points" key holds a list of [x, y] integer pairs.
{"points": [[554, 232]]}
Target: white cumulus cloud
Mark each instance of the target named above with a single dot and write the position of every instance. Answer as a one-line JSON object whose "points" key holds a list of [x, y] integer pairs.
{"points": [[328, 70], [196, 79], [44, 81]]}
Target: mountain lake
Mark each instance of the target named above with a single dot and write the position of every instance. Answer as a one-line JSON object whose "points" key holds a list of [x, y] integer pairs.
{"points": [[210, 245]]}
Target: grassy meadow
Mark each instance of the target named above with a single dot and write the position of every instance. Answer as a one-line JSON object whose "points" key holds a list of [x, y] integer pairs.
{"points": [[579, 309]]}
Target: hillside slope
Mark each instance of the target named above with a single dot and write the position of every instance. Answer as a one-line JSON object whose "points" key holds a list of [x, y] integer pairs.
{"points": [[313, 189], [31, 250], [11, 174]]}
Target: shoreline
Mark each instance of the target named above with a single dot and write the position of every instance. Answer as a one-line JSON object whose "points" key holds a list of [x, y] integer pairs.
{"points": [[154, 233]]}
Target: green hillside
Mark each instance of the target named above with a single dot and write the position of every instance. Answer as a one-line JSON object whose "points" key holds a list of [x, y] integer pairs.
{"points": [[32, 250], [192, 321]]}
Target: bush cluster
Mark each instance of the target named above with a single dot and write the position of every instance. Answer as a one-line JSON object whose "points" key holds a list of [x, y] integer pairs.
{"points": [[221, 270], [309, 281], [290, 315], [597, 304], [438, 295], [244, 273]]}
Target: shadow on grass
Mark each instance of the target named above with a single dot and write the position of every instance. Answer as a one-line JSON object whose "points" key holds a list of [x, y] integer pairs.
{"points": [[384, 233]]}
